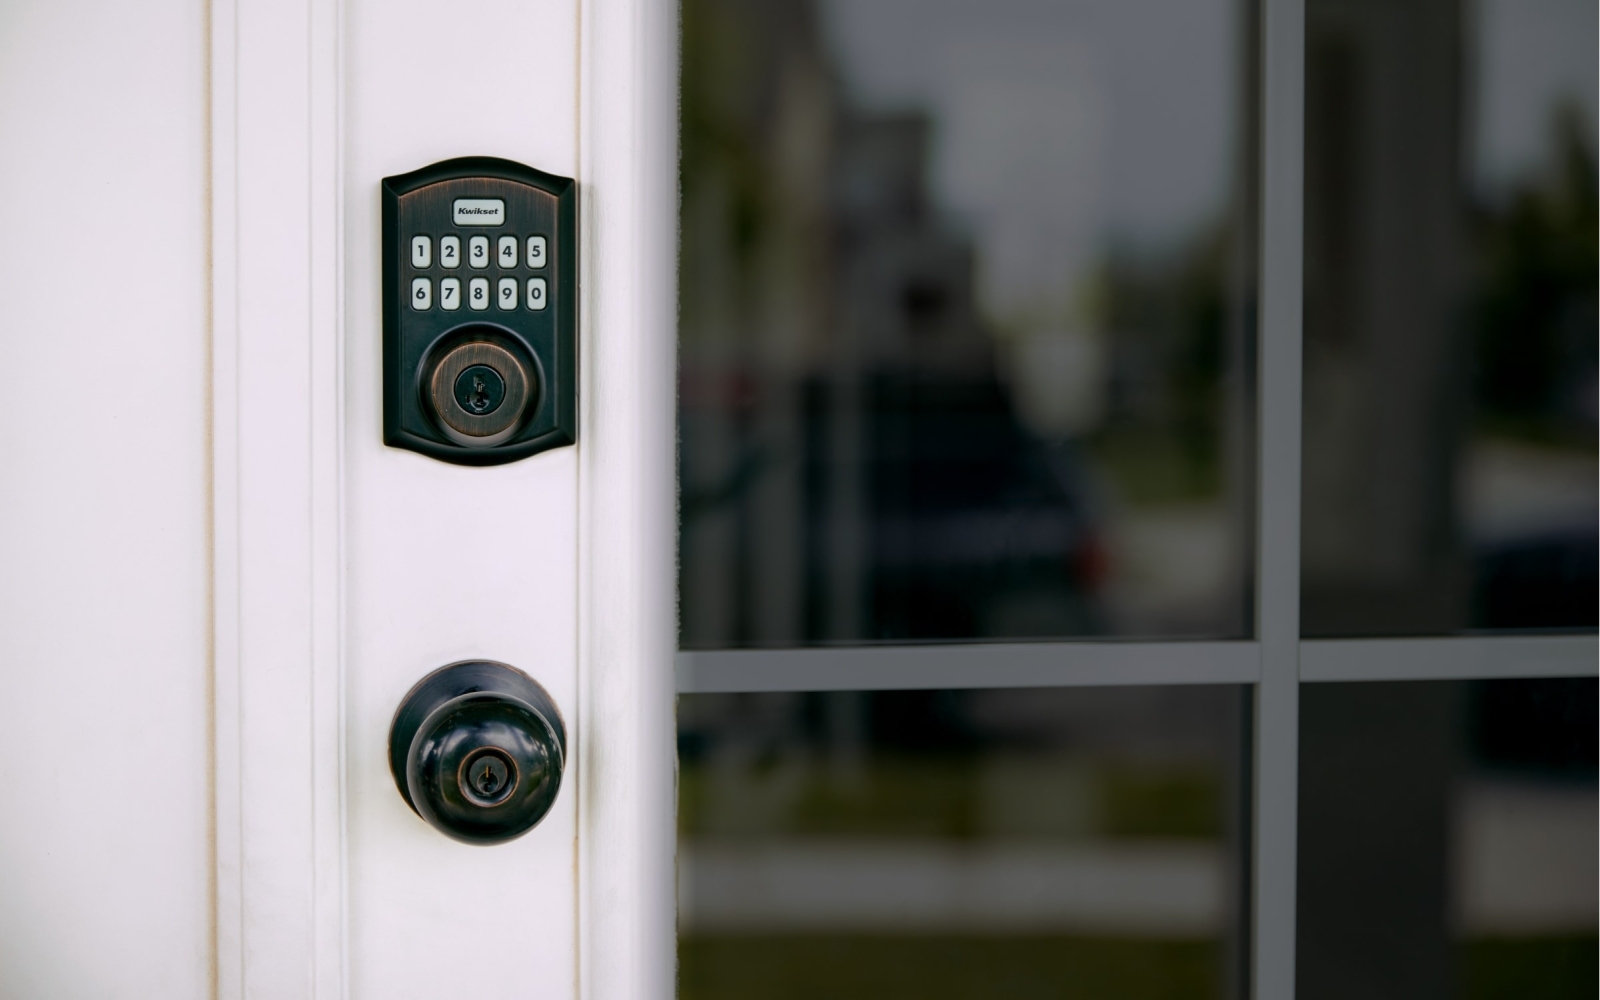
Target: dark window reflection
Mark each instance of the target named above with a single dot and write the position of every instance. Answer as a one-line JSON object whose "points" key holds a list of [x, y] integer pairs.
{"points": [[1450, 461], [961, 844], [965, 303], [1448, 836]]}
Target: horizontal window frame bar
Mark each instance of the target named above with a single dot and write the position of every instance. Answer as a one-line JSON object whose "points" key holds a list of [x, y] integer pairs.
{"points": [[967, 666], [1476, 657], [957, 666]]}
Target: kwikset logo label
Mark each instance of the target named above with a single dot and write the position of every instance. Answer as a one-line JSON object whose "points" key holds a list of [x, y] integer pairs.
{"points": [[480, 212]]}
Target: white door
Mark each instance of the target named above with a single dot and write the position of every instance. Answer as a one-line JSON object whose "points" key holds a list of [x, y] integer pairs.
{"points": [[219, 583]]}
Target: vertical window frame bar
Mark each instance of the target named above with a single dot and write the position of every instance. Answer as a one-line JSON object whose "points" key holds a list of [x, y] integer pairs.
{"points": [[1275, 753]]}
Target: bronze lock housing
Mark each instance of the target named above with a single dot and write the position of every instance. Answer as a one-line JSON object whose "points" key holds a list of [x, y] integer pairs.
{"points": [[479, 311]]}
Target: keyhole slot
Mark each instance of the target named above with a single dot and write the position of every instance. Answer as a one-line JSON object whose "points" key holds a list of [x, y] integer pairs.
{"points": [[487, 777], [480, 390]]}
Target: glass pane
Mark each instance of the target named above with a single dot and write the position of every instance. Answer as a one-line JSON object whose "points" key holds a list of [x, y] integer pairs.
{"points": [[1448, 836], [966, 313], [961, 844], [1450, 461]]}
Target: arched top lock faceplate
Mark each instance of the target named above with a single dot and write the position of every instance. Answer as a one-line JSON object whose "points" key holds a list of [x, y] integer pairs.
{"points": [[480, 311]]}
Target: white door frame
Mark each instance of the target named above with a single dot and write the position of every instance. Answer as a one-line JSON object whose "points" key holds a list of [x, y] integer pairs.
{"points": [[283, 305]]}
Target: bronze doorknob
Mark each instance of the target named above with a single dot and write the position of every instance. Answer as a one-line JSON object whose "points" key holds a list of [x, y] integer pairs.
{"points": [[477, 749]]}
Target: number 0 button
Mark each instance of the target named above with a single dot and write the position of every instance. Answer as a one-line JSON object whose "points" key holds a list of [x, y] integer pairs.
{"points": [[478, 293], [507, 293], [536, 295], [421, 293]]}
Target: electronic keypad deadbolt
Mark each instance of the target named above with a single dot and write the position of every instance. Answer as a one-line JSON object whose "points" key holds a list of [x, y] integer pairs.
{"points": [[479, 311]]}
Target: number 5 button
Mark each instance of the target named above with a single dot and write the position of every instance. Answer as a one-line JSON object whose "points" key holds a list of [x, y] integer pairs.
{"points": [[536, 252], [536, 294]]}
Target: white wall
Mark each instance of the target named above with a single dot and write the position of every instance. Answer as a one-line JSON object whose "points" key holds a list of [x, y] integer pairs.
{"points": [[105, 844]]}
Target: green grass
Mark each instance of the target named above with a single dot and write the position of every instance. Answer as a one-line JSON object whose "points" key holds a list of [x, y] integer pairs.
{"points": [[1153, 465], [945, 967], [1542, 968], [1039, 967]]}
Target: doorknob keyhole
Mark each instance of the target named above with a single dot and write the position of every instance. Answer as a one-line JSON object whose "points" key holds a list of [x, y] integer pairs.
{"points": [[488, 776]]}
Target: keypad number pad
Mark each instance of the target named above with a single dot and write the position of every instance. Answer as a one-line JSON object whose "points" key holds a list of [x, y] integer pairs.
{"points": [[535, 256], [506, 294]]}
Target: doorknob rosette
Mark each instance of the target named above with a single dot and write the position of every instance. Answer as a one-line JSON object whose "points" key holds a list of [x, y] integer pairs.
{"points": [[477, 749]]}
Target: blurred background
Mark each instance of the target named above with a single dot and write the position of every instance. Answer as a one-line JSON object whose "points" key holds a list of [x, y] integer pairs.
{"points": [[967, 342], [1449, 451], [1083, 842], [1449, 837], [966, 308]]}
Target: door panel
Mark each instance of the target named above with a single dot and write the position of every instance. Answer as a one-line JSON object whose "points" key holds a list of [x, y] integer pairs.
{"points": [[218, 584], [105, 860], [448, 562]]}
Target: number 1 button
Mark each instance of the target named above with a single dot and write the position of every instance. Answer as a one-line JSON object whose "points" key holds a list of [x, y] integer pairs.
{"points": [[421, 252], [536, 296]]}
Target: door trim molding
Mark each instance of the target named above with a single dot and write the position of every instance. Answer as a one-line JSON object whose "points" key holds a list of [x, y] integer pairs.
{"points": [[277, 488], [627, 524]]}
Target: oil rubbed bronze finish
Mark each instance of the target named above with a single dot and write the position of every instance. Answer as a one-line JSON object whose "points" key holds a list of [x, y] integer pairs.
{"points": [[479, 391], [477, 749], [521, 296]]}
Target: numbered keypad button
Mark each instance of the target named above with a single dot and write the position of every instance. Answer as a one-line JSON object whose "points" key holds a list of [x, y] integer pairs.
{"points": [[450, 294], [536, 255], [506, 293], [450, 251], [537, 298], [478, 293], [506, 250], [421, 294], [478, 251], [421, 252]]}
